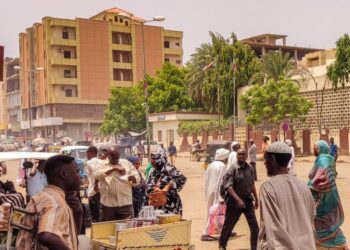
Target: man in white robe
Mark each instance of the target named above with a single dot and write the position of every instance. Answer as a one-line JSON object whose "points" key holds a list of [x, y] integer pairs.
{"points": [[213, 178], [287, 208], [291, 162], [235, 146]]}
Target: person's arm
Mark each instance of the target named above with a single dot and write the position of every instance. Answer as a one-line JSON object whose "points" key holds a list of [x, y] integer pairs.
{"points": [[33, 170], [75, 204], [52, 241], [233, 194], [256, 202]]}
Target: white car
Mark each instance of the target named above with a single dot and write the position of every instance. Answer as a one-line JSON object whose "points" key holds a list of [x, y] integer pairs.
{"points": [[154, 145]]}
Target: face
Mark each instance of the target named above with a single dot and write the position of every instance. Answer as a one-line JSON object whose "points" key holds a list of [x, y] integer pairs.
{"points": [[316, 150], [270, 164], [137, 164], [113, 156], [241, 156], [331, 140], [89, 155], [236, 148], [153, 162], [70, 174]]}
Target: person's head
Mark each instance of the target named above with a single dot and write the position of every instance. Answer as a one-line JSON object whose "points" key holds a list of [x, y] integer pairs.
{"points": [[222, 154], [41, 165], [157, 161], [171, 143], [28, 164], [62, 171], [289, 142], [251, 141], [134, 161], [331, 140], [321, 147], [91, 152], [265, 139], [113, 155], [197, 141], [104, 153], [161, 145], [277, 157], [235, 146], [241, 156]]}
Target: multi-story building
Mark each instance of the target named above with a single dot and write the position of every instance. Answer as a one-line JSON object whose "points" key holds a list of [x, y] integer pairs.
{"points": [[82, 59], [13, 97]]}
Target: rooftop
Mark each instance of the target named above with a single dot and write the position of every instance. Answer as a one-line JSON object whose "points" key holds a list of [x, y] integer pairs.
{"points": [[117, 11]]}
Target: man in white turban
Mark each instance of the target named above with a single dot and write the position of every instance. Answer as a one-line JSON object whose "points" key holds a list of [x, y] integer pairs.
{"points": [[213, 178], [235, 146]]}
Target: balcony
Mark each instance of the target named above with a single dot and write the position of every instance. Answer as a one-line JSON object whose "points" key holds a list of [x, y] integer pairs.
{"points": [[42, 122], [62, 22], [124, 47], [121, 65], [122, 83], [173, 51], [63, 42], [64, 61], [64, 81]]}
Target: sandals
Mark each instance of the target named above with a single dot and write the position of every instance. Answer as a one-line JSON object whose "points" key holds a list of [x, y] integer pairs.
{"points": [[208, 238]]}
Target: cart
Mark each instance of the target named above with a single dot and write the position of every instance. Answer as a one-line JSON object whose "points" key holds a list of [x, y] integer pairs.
{"points": [[171, 236]]}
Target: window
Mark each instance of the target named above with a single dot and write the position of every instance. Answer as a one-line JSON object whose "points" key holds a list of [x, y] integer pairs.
{"points": [[166, 44], [122, 74], [126, 23], [166, 60], [120, 20], [68, 93], [159, 135], [67, 73], [66, 54], [178, 61], [115, 19], [65, 34], [177, 44]]}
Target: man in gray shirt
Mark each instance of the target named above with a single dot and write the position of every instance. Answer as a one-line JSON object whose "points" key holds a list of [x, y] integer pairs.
{"points": [[252, 157]]}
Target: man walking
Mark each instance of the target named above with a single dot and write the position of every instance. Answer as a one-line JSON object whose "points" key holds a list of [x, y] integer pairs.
{"points": [[93, 191], [213, 178], [162, 150], [287, 209], [240, 194], [252, 157], [333, 151], [172, 153], [235, 146]]}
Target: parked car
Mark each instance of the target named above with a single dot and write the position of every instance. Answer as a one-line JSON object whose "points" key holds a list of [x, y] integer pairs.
{"points": [[82, 143], [6, 146], [212, 146], [78, 152]]}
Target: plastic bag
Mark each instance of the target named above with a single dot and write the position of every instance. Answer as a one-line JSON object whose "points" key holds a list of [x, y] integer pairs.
{"points": [[216, 218]]}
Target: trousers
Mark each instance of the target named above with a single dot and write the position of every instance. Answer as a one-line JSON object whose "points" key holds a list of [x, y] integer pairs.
{"points": [[116, 213], [94, 206], [232, 216]]}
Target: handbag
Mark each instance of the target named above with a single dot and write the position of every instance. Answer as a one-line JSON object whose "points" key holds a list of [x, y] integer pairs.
{"points": [[158, 198]]}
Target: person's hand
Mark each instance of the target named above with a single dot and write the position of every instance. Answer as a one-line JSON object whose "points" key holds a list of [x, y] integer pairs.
{"points": [[240, 203], [156, 189], [120, 170], [256, 205], [132, 179], [74, 203]]}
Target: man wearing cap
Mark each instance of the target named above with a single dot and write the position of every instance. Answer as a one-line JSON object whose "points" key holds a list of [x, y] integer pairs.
{"points": [[213, 178], [252, 157], [287, 208], [233, 156]]}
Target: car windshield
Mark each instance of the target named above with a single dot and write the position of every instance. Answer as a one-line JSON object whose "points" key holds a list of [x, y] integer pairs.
{"points": [[80, 154]]}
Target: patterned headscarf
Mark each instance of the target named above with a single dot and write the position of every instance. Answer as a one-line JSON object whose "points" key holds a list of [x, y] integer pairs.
{"points": [[159, 160], [323, 146]]}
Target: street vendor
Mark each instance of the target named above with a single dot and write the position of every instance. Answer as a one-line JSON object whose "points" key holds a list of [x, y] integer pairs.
{"points": [[165, 174], [116, 180]]}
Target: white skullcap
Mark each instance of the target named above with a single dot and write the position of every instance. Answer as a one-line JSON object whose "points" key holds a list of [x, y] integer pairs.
{"points": [[234, 143], [221, 154], [279, 148], [289, 142]]}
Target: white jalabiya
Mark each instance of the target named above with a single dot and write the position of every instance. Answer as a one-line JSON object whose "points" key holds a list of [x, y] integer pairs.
{"points": [[213, 177]]}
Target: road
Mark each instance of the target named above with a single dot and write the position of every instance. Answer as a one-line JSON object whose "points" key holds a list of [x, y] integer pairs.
{"points": [[195, 207]]}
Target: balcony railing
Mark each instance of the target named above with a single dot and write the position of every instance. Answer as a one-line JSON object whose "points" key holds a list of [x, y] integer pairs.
{"points": [[63, 61]]}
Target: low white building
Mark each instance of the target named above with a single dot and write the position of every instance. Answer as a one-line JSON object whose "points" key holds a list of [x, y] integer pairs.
{"points": [[165, 125]]}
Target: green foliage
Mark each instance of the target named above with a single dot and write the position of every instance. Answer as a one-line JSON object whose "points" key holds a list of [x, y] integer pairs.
{"points": [[125, 112], [339, 71], [274, 102], [206, 83], [167, 91], [197, 127]]}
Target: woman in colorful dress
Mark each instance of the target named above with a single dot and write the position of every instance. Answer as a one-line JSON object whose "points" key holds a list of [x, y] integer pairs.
{"points": [[329, 210], [165, 174]]}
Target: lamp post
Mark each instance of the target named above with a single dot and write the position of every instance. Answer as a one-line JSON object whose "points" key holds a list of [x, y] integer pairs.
{"points": [[145, 85], [30, 71], [234, 97]]}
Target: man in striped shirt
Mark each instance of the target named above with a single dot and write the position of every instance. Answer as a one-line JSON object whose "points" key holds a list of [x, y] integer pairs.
{"points": [[56, 229]]}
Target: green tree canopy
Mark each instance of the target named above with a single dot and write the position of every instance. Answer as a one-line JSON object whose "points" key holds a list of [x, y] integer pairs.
{"points": [[125, 111], [274, 102], [339, 71]]}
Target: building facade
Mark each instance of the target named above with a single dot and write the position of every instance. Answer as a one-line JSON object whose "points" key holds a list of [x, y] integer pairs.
{"points": [[81, 60]]}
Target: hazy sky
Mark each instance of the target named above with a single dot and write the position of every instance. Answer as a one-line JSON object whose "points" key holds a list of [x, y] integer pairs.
{"points": [[315, 23]]}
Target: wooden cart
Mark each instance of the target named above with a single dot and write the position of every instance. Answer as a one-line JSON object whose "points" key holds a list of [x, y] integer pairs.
{"points": [[172, 236]]}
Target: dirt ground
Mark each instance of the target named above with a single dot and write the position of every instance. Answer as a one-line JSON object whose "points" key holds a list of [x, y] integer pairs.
{"points": [[195, 207]]}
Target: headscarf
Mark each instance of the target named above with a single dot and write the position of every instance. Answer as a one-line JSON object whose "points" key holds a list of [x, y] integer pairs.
{"points": [[159, 160], [133, 159]]}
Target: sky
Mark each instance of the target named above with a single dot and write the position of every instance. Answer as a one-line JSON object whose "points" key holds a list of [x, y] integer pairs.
{"points": [[308, 23]]}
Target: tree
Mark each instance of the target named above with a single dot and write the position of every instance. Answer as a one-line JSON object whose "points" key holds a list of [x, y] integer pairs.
{"points": [[210, 72], [274, 102], [339, 71], [167, 90], [125, 112]]}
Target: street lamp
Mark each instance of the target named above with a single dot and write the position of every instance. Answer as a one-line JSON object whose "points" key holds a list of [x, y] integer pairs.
{"points": [[154, 19], [30, 71]]}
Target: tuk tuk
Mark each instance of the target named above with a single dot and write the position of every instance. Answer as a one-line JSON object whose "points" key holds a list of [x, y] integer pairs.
{"points": [[212, 146]]}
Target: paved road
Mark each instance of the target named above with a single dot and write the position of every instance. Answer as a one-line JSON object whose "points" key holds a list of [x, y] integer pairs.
{"points": [[195, 206]]}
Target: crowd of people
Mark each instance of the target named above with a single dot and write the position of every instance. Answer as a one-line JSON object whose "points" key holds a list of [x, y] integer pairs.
{"points": [[293, 214]]}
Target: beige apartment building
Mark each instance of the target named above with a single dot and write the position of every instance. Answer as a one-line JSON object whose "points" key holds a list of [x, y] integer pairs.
{"points": [[69, 66]]}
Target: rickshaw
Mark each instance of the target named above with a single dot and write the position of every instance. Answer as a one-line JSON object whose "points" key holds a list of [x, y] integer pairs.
{"points": [[212, 146]]}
